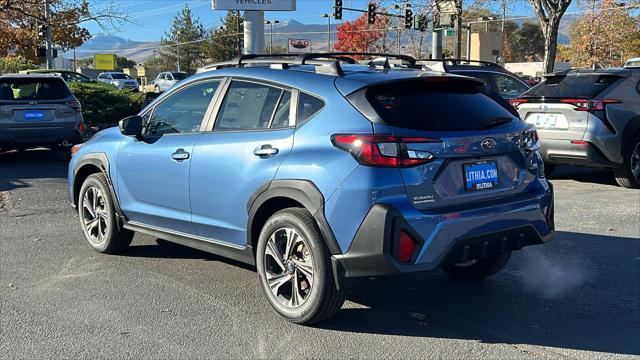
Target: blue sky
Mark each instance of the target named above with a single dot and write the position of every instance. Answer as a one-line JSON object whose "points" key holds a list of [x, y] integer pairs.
{"points": [[152, 17]]}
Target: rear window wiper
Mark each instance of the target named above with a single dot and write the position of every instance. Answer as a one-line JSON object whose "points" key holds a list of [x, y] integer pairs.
{"points": [[495, 122]]}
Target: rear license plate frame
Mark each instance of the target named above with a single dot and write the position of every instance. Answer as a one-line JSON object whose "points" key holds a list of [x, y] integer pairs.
{"points": [[472, 186]]}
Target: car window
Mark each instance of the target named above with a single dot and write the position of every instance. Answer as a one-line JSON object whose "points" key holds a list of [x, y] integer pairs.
{"points": [[282, 116], [120, 76], [248, 106], [183, 111], [52, 88], [179, 75], [428, 105], [169, 77], [509, 87], [308, 106], [102, 76], [583, 85]]}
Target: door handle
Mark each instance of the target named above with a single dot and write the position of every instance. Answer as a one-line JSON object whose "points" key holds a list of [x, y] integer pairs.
{"points": [[180, 155], [265, 151]]}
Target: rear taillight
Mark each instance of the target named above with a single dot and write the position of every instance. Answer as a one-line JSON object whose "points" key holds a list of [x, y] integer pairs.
{"points": [[384, 150], [74, 104], [81, 127], [589, 105], [516, 102]]}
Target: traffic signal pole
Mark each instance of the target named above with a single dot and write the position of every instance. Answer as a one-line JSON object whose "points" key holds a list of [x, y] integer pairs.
{"points": [[47, 17]]}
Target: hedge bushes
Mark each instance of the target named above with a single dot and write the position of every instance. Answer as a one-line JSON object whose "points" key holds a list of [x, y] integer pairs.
{"points": [[103, 105]]}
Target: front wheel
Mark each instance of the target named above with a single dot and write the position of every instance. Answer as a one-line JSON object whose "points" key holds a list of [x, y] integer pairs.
{"points": [[294, 268], [629, 174], [98, 217], [475, 270]]}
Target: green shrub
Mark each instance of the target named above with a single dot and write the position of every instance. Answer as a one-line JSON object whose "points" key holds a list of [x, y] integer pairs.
{"points": [[103, 105], [13, 64]]}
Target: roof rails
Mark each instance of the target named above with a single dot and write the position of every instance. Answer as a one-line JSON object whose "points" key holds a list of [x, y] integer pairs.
{"points": [[325, 63], [622, 72], [448, 63]]}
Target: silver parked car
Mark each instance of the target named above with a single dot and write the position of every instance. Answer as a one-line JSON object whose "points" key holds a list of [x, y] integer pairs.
{"points": [[165, 80], [38, 110], [589, 118], [120, 80]]}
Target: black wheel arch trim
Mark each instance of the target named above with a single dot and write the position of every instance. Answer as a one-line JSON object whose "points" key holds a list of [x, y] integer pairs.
{"points": [[302, 191], [100, 161], [630, 132]]}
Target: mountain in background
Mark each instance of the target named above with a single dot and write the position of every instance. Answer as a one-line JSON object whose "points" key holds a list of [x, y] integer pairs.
{"points": [[139, 51]]}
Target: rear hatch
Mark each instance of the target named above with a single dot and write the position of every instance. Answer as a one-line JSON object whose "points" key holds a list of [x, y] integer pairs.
{"points": [[36, 104], [563, 105], [473, 143]]}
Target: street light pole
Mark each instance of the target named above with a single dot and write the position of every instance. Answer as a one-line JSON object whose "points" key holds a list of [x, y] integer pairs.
{"points": [[178, 48], [270, 23], [328, 16]]}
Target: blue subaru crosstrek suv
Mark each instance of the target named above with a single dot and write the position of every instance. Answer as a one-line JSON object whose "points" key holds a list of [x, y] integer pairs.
{"points": [[320, 170]]}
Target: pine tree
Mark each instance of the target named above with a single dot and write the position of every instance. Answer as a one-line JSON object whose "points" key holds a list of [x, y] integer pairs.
{"points": [[184, 39], [226, 42]]}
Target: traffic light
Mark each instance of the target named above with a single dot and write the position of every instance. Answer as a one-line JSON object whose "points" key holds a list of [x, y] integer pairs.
{"points": [[337, 13], [420, 22], [371, 14], [408, 19], [42, 31]]}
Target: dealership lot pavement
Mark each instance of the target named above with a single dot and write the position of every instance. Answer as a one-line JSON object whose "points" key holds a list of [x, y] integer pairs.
{"points": [[576, 297]]}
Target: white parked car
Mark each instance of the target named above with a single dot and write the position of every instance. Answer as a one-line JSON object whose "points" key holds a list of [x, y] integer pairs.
{"points": [[165, 80], [119, 80]]}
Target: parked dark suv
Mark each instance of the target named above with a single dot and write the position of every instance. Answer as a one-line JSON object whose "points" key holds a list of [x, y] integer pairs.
{"points": [[588, 118], [38, 110], [502, 81]]}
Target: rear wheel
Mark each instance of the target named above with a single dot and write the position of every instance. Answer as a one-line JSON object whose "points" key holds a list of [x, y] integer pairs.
{"points": [[629, 174], [294, 268], [477, 269], [98, 218]]}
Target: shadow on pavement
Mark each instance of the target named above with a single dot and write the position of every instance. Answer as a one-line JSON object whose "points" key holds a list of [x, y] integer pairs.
{"points": [[587, 298], [30, 164], [584, 174]]}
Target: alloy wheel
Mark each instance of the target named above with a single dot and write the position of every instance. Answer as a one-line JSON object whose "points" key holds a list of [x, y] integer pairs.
{"points": [[289, 267], [635, 162], [94, 215]]}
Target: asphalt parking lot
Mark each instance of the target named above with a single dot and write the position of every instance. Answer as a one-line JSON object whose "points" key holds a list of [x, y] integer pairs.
{"points": [[576, 297]]}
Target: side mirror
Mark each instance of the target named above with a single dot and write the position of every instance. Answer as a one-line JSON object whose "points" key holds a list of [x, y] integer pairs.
{"points": [[131, 126]]}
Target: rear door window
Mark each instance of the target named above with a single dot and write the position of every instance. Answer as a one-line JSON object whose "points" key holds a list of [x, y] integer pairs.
{"points": [[53, 88], [253, 106], [574, 86], [436, 105]]}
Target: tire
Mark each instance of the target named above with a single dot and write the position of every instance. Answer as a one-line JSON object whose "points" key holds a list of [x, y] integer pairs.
{"points": [[548, 169], [156, 89], [629, 174], [98, 217], [317, 299], [478, 270]]}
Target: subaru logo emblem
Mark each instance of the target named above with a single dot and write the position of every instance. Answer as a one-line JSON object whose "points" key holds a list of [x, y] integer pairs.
{"points": [[489, 144]]}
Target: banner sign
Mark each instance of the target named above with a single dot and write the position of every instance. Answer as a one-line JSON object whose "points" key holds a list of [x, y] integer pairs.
{"points": [[255, 5]]}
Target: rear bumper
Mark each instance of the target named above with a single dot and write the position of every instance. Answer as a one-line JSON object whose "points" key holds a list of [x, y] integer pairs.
{"points": [[38, 137], [564, 152], [457, 237]]}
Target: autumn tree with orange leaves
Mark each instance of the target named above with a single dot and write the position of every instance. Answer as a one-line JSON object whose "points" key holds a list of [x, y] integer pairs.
{"points": [[360, 36], [606, 35]]}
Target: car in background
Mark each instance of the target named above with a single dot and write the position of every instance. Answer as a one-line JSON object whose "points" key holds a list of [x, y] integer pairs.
{"points": [[332, 171], [165, 80], [120, 80], [38, 110], [633, 63], [66, 75], [590, 118], [505, 83], [530, 80]]}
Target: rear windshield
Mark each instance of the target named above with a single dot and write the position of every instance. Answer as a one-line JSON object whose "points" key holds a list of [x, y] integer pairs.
{"points": [[179, 75], [582, 86], [437, 106], [52, 88], [120, 76]]}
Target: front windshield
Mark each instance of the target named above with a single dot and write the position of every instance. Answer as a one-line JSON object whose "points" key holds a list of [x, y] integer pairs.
{"points": [[120, 76]]}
